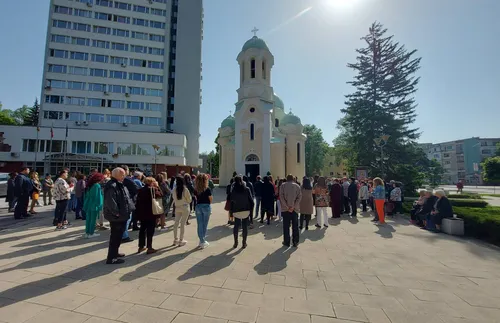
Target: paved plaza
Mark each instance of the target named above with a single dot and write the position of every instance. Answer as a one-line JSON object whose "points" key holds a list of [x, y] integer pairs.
{"points": [[351, 272]]}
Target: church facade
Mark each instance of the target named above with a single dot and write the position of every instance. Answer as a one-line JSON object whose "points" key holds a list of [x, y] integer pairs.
{"points": [[260, 137]]}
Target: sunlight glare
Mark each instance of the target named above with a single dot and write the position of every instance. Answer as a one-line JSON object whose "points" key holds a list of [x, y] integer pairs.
{"points": [[339, 4]]}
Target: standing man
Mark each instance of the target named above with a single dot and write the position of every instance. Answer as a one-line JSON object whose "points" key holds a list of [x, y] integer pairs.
{"points": [[22, 191], [290, 196], [62, 195], [345, 187], [132, 191], [47, 186], [258, 194], [252, 192], [352, 194], [117, 209]]}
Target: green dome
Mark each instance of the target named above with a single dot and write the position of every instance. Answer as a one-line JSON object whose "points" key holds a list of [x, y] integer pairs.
{"points": [[228, 122], [290, 119], [255, 42], [278, 102]]}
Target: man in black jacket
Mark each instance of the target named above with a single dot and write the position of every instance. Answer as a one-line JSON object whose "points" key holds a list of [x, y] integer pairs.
{"points": [[117, 208], [352, 193], [132, 191], [252, 191], [258, 194], [23, 188]]}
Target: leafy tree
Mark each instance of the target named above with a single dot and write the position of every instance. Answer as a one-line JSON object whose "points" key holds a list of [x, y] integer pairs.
{"points": [[491, 170], [436, 172], [316, 149], [6, 118], [22, 115], [213, 159], [383, 104], [497, 152]]}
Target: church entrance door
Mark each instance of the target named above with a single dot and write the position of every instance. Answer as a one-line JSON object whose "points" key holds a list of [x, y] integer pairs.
{"points": [[252, 171]]}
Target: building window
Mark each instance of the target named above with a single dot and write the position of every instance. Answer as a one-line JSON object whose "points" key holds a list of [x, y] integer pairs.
{"points": [[103, 148], [252, 68], [263, 70], [252, 131], [298, 152], [81, 147], [80, 41], [276, 122]]}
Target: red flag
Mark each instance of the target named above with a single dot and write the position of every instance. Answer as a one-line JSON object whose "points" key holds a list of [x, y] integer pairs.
{"points": [[51, 132]]}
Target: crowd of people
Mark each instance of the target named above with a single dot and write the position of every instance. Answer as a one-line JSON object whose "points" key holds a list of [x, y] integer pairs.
{"points": [[133, 201]]}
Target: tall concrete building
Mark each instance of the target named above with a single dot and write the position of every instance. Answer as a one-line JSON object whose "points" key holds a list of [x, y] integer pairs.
{"points": [[120, 79], [461, 159]]}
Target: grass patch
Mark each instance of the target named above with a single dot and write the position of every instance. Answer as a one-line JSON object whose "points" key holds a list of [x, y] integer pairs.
{"points": [[468, 196], [468, 203], [492, 195], [481, 223]]}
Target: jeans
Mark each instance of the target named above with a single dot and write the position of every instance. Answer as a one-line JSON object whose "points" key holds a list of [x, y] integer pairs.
{"points": [[203, 212], [290, 217], [125, 233], [147, 230], [12, 203], [244, 226], [257, 205], [61, 211], [21, 209], [47, 194], [79, 208], [115, 238], [72, 203]]}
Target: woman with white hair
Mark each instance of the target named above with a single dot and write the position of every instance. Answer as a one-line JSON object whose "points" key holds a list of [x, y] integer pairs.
{"points": [[442, 208]]}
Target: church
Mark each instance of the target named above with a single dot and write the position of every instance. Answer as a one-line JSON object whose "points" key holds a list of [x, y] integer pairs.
{"points": [[260, 138]]}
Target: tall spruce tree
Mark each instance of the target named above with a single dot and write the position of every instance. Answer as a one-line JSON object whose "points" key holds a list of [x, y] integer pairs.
{"points": [[32, 116], [382, 104]]}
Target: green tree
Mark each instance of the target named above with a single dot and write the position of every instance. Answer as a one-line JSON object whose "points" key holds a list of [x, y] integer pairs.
{"points": [[6, 118], [213, 159], [22, 115], [497, 151], [32, 115], [383, 103], [436, 172], [491, 170], [316, 149]]}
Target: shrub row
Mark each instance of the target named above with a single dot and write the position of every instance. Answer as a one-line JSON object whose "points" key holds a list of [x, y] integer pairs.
{"points": [[468, 203], [469, 196], [481, 223]]}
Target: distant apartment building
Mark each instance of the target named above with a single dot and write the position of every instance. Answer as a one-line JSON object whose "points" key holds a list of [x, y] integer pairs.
{"points": [[121, 85], [461, 159]]}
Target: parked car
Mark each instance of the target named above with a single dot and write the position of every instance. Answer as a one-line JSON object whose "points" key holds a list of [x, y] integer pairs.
{"points": [[4, 177]]}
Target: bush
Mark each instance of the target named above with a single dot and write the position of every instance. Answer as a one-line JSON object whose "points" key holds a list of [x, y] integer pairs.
{"points": [[481, 223], [468, 203], [470, 196]]}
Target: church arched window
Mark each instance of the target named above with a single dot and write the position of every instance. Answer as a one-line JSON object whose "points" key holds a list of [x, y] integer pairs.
{"points": [[252, 131], [252, 68], [252, 158], [276, 122], [298, 152], [264, 70]]}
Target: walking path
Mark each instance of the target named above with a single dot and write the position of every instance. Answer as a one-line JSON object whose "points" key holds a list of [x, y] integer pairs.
{"points": [[352, 271]]}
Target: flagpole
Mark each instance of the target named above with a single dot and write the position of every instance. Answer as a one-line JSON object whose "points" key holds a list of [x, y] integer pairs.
{"points": [[65, 150], [36, 147], [50, 147]]}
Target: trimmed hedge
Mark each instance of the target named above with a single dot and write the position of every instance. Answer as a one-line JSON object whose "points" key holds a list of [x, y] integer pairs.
{"points": [[470, 196], [468, 203], [481, 223]]}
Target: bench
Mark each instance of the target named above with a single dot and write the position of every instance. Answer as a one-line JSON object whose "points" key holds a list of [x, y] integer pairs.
{"points": [[453, 226]]}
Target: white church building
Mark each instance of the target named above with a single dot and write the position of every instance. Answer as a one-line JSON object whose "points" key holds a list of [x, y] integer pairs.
{"points": [[260, 138]]}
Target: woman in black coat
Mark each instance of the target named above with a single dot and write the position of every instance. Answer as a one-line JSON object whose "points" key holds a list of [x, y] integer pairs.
{"points": [[267, 200], [144, 213], [442, 209], [241, 206]]}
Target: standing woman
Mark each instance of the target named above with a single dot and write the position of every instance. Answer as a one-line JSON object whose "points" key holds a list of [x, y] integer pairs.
{"points": [[11, 186], [364, 195], [79, 195], [306, 203], [144, 213], [379, 200], [322, 199], [35, 194], [182, 200], [165, 191], [203, 207], [188, 181], [278, 203], [336, 194], [227, 207], [267, 199], [241, 205], [92, 204]]}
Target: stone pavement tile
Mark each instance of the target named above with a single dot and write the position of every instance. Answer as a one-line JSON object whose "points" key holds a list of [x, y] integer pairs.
{"points": [[147, 298], [189, 318], [322, 319], [63, 299], [24, 292], [272, 315], [479, 299], [19, 312], [370, 279], [149, 284], [276, 279], [108, 291], [348, 312], [376, 301], [430, 296], [177, 288], [47, 281], [295, 281], [284, 292], [7, 286], [104, 308], [234, 312], [465, 320], [422, 307], [14, 275], [99, 320], [317, 307], [205, 280], [375, 315], [53, 314], [314, 283], [217, 294], [186, 304], [140, 314], [406, 317], [310, 274], [332, 297], [244, 285], [463, 309], [357, 288], [260, 300], [396, 292], [253, 276], [400, 282]]}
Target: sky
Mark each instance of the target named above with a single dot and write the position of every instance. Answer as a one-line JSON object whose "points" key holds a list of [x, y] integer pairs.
{"points": [[312, 41]]}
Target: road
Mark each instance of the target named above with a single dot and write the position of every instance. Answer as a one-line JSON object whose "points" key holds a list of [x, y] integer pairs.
{"points": [[474, 189]]}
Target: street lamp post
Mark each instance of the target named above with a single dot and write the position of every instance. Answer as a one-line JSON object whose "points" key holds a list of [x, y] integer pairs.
{"points": [[155, 148], [381, 142]]}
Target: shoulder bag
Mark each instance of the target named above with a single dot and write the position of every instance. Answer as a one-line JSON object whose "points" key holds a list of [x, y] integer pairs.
{"points": [[157, 203]]}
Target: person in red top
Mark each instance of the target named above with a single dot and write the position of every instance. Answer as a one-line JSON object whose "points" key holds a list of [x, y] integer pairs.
{"points": [[460, 186]]}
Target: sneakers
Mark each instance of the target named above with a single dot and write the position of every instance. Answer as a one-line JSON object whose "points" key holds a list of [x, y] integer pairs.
{"points": [[176, 242], [115, 261], [141, 250], [203, 245], [182, 243], [95, 235], [127, 240]]}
